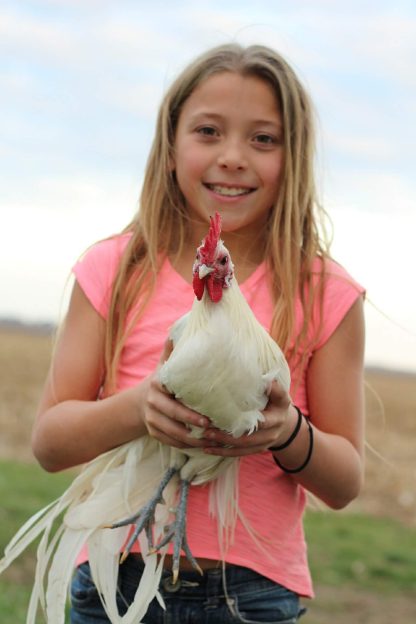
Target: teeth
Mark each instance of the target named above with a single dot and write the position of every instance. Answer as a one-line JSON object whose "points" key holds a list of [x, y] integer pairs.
{"points": [[229, 191]]}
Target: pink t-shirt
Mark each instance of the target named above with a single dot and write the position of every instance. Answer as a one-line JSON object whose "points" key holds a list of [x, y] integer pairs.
{"points": [[271, 501]]}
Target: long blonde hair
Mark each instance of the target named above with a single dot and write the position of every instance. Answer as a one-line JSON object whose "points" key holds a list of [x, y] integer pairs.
{"points": [[161, 226]]}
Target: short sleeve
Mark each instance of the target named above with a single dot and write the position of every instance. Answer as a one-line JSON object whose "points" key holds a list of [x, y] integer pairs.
{"points": [[95, 271], [340, 292]]}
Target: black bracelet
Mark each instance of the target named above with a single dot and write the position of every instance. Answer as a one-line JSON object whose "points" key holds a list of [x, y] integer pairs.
{"points": [[309, 455], [293, 435]]}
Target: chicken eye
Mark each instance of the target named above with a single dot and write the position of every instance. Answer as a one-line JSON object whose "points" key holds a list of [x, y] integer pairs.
{"points": [[224, 260]]}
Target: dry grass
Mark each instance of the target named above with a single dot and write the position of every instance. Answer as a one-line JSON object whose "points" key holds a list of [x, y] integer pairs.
{"points": [[24, 362], [390, 481], [346, 605]]}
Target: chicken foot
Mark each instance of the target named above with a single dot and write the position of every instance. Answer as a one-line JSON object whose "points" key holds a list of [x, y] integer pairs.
{"points": [[176, 533], [144, 519]]}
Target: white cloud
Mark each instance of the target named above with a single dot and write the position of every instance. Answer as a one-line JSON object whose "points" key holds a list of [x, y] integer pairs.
{"points": [[140, 99], [359, 146], [23, 33], [390, 194], [45, 231], [392, 45], [389, 344], [378, 250]]}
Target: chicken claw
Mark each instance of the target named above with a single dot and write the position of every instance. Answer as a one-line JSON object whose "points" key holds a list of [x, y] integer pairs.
{"points": [[176, 532], [144, 519]]}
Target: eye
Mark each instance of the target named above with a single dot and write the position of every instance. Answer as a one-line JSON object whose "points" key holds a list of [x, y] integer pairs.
{"points": [[207, 131], [224, 260], [198, 257], [265, 139]]}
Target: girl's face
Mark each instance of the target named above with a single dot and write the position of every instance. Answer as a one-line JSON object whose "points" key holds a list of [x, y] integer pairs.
{"points": [[229, 151]]}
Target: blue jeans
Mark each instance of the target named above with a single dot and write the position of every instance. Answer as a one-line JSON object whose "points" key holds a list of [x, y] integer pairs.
{"points": [[252, 598]]}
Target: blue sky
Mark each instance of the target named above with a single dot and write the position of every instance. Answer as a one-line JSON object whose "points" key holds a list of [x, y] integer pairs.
{"points": [[80, 83]]}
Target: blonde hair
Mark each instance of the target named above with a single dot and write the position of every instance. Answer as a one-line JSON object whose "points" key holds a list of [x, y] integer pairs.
{"points": [[161, 226]]}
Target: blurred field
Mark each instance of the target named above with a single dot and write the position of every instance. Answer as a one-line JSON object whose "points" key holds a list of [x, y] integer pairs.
{"points": [[389, 490], [391, 423]]}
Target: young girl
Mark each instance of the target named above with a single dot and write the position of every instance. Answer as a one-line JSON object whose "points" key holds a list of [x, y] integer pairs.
{"points": [[234, 135]]}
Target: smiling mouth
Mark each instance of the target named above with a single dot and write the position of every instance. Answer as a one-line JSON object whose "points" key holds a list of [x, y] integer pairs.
{"points": [[229, 191]]}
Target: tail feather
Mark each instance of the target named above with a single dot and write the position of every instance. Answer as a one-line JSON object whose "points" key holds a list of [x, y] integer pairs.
{"points": [[127, 486], [43, 555], [60, 573], [146, 591], [28, 533], [104, 562], [106, 490], [104, 555], [223, 504]]}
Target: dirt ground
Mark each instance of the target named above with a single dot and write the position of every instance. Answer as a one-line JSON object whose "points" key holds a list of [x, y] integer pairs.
{"points": [[390, 482], [359, 607]]}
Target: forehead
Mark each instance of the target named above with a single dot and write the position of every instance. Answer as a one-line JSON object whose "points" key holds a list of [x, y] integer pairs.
{"points": [[230, 94]]}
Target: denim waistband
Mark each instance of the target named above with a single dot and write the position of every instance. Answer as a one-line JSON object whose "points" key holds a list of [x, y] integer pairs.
{"points": [[211, 583]]}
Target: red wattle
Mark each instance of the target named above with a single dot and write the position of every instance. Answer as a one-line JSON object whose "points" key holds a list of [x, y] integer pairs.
{"points": [[214, 289], [198, 286]]}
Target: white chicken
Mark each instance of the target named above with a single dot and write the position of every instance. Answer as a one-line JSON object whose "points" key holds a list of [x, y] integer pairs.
{"points": [[221, 366]]}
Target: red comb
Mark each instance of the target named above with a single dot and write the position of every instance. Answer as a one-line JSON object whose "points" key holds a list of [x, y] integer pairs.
{"points": [[212, 238]]}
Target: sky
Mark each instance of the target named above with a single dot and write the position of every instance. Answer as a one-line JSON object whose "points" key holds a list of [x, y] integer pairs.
{"points": [[80, 85]]}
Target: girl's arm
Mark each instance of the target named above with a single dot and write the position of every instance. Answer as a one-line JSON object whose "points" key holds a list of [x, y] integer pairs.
{"points": [[335, 389], [336, 403], [72, 426]]}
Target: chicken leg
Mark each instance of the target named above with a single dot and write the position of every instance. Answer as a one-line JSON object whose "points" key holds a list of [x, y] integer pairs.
{"points": [[175, 531]]}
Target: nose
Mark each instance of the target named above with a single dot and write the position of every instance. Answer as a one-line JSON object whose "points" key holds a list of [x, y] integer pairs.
{"points": [[232, 156]]}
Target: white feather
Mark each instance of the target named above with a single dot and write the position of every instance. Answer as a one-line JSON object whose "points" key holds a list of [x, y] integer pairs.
{"points": [[222, 365], [223, 503], [60, 573], [223, 362]]}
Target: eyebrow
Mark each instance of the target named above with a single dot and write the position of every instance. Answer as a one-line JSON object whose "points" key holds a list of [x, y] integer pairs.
{"points": [[218, 117]]}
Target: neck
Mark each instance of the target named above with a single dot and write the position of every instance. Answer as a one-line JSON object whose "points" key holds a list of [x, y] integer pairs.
{"points": [[246, 251]]}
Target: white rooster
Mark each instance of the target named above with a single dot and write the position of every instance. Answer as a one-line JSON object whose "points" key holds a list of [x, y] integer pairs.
{"points": [[221, 366]]}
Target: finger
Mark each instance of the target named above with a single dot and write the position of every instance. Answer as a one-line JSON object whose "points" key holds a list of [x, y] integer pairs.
{"points": [[172, 433], [186, 416], [221, 437], [273, 416], [236, 451], [165, 439], [164, 403], [278, 395], [259, 439]]}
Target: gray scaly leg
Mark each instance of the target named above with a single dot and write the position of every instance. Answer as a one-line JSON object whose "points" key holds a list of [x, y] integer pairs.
{"points": [[144, 519], [176, 532]]}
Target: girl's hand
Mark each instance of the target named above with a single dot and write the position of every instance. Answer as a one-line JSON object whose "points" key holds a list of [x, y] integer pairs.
{"points": [[165, 418], [279, 421]]}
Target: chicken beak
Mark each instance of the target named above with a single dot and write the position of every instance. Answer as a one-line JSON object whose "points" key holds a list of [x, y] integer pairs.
{"points": [[204, 270]]}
